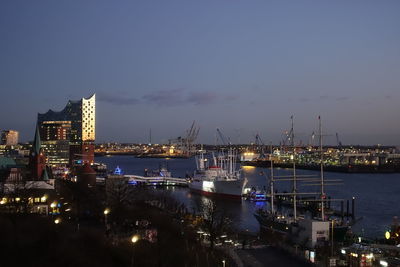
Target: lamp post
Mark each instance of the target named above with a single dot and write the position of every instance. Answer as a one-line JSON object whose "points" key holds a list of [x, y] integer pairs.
{"points": [[53, 206], [134, 239], [332, 240], [223, 263], [106, 212], [56, 223]]}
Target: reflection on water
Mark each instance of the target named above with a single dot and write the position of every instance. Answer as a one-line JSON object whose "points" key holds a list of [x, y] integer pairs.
{"points": [[377, 195]]}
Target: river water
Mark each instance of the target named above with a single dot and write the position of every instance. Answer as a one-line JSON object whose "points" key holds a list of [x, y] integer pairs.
{"points": [[377, 195]]}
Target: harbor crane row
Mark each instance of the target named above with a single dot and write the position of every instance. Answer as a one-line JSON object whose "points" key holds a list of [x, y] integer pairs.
{"points": [[186, 144]]}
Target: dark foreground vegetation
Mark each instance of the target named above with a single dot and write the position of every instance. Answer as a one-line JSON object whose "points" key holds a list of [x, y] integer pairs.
{"points": [[84, 236]]}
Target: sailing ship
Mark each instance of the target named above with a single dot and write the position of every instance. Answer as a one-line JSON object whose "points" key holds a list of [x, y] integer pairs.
{"points": [[221, 178], [293, 226]]}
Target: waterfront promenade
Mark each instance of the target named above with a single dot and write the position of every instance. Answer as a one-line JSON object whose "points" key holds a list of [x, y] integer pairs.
{"points": [[269, 256]]}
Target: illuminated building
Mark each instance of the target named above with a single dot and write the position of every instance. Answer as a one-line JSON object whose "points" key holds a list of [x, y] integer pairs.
{"points": [[74, 126], [55, 141], [9, 138]]}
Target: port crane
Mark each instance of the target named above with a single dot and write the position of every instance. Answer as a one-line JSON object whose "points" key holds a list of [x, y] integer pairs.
{"points": [[186, 143], [259, 144], [191, 136], [225, 141], [287, 138], [259, 141]]}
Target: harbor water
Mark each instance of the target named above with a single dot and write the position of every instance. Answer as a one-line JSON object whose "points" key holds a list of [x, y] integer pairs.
{"points": [[377, 196]]}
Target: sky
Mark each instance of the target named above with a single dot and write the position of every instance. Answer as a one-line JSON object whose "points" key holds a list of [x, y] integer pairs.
{"points": [[244, 67]]}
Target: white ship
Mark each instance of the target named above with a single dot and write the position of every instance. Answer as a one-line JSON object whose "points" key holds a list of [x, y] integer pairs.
{"points": [[221, 178]]}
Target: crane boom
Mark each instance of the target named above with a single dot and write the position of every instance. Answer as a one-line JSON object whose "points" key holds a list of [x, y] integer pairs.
{"points": [[224, 140]]}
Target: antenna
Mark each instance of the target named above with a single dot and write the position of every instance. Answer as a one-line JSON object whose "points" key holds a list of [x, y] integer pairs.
{"points": [[338, 142], [322, 171], [294, 170], [272, 181], [150, 137]]}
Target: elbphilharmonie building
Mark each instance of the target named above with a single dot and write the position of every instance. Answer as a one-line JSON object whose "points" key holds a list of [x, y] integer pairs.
{"points": [[68, 135]]}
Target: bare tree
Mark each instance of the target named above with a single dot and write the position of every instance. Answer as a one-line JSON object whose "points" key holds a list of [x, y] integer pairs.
{"points": [[119, 197], [118, 192], [216, 221]]}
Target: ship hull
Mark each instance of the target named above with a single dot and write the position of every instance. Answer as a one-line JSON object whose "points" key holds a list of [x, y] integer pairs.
{"points": [[281, 230], [228, 189], [267, 224]]}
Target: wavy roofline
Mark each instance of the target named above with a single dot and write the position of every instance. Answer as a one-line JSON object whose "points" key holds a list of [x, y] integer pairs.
{"points": [[69, 101], [90, 97]]}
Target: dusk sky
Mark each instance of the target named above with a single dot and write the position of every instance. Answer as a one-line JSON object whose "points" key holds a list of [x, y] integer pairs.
{"points": [[242, 66]]}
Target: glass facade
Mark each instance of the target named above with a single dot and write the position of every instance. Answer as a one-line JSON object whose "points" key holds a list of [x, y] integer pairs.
{"points": [[88, 118]]}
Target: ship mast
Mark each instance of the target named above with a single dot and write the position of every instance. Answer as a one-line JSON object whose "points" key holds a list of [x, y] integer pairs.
{"points": [[322, 171]]}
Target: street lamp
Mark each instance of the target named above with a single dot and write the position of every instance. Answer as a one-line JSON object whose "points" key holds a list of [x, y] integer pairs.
{"points": [[106, 212], [53, 206], [57, 221], [134, 239], [223, 263]]}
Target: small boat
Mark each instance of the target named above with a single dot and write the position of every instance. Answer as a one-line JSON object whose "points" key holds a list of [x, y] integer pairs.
{"points": [[254, 194], [258, 196]]}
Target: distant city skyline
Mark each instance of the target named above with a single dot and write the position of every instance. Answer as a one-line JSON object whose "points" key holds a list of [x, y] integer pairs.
{"points": [[244, 67]]}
